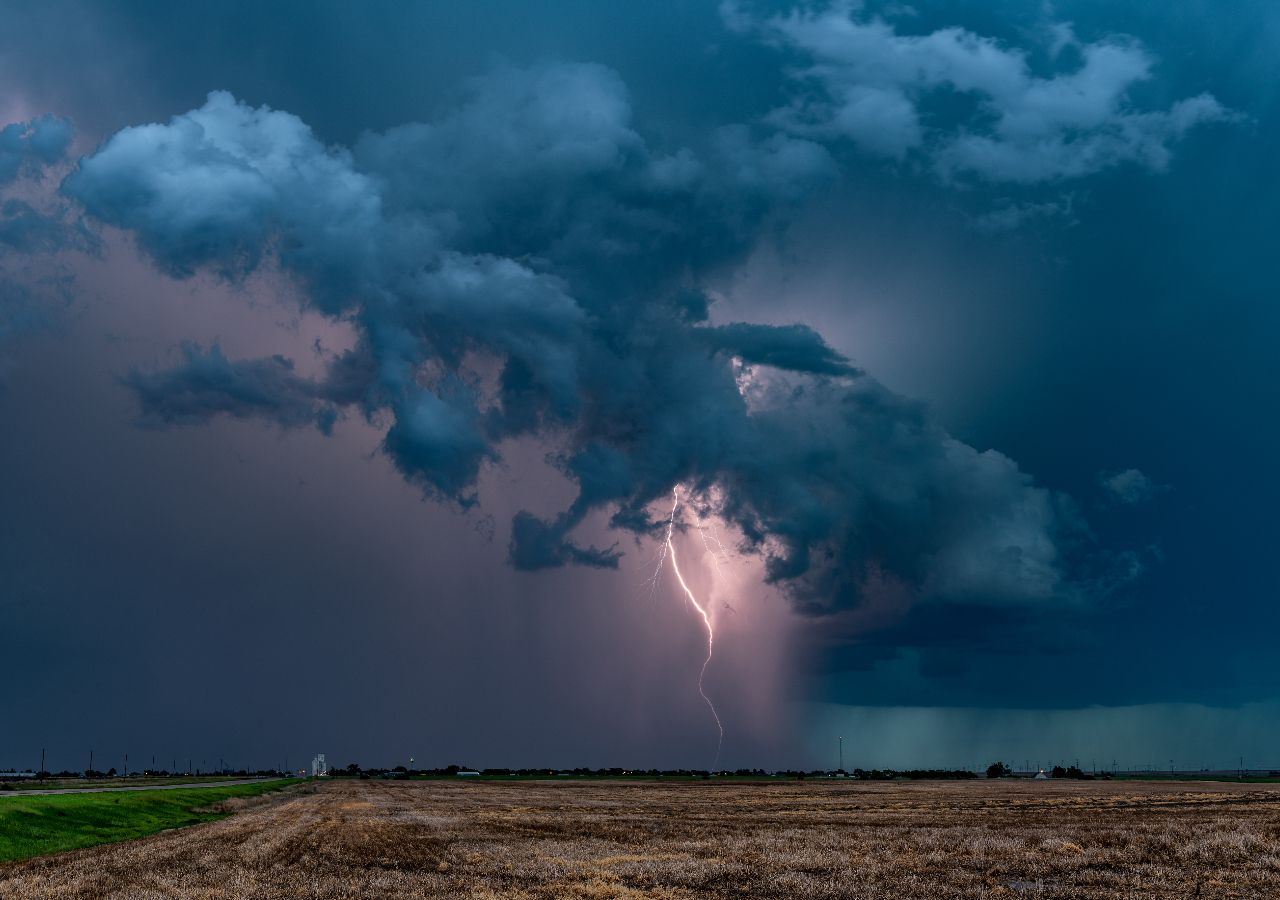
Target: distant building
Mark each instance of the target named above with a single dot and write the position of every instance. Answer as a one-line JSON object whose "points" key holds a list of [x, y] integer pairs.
{"points": [[1040, 776], [318, 766], [468, 774]]}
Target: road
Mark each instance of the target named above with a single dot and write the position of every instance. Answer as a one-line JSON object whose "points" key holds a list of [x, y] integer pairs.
{"points": [[140, 787]]}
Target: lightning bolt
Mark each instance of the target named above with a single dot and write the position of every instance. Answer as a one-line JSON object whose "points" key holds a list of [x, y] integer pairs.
{"points": [[669, 550], [718, 552]]}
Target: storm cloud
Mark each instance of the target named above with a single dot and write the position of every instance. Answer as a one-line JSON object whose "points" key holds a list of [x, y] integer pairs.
{"points": [[533, 233], [882, 286], [28, 147]]}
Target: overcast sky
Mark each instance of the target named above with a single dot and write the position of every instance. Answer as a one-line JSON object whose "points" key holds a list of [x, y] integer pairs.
{"points": [[350, 356]]}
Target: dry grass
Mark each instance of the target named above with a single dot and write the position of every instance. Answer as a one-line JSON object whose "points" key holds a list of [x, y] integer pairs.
{"points": [[598, 840]]}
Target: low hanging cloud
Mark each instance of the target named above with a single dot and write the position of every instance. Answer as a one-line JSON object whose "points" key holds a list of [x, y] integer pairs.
{"points": [[534, 227], [898, 95]]}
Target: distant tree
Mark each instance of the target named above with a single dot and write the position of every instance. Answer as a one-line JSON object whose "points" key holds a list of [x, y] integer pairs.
{"points": [[353, 768], [399, 769], [998, 770], [111, 773], [1058, 772]]}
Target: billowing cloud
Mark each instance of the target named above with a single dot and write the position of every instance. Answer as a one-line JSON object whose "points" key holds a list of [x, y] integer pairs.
{"points": [[967, 103], [214, 186], [529, 264]]}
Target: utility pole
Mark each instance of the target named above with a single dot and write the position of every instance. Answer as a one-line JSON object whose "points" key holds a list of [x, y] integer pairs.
{"points": [[841, 740], [90, 775], [126, 765], [41, 765]]}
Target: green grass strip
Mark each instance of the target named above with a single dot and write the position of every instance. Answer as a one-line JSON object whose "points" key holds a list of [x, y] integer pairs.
{"points": [[34, 826]]}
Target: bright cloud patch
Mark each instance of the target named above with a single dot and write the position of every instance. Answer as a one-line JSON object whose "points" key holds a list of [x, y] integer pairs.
{"points": [[869, 84]]}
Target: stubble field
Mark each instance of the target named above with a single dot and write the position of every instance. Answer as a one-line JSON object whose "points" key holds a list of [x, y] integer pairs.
{"points": [[634, 840]]}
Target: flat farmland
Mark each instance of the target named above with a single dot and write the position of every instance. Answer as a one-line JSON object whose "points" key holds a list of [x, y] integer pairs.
{"points": [[600, 839]]}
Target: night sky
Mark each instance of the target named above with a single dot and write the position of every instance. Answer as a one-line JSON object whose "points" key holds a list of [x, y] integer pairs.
{"points": [[350, 355]]}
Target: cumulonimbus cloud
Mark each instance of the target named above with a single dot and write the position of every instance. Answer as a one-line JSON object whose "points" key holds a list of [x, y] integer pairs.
{"points": [[533, 226]]}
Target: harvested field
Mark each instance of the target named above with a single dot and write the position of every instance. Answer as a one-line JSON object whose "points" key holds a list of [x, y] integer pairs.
{"points": [[634, 840]]}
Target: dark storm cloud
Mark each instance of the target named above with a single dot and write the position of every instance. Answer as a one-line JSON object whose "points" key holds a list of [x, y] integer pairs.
{"points": [[25, 229], [554, 283], [887, 92], [538, 545], [856, 482], [33, 300], [27, 150], [208, 384], [27, 147], [533, 226], [797, 348]]}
